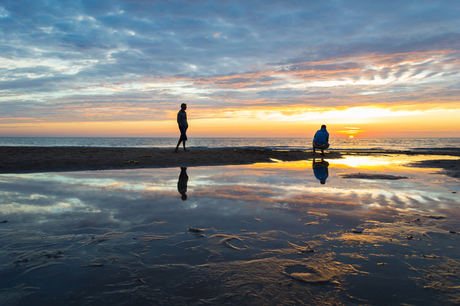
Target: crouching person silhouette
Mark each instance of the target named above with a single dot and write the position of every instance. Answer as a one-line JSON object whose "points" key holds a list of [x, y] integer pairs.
{"points": [[321, 140]]}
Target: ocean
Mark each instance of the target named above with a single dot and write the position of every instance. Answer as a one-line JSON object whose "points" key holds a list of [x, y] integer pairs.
{"points": [[413, 144]]}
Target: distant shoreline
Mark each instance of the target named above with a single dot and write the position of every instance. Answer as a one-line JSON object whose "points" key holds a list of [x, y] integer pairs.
{"points": [[58, 159], [268, 143]]}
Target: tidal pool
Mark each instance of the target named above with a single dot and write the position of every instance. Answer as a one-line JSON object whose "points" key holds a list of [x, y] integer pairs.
{"points": [[359, 230]]}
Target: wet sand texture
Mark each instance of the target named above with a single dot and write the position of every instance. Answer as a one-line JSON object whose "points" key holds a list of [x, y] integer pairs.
{"points": [[449, 167], [46, 159], [52, 159], [247, 235]]}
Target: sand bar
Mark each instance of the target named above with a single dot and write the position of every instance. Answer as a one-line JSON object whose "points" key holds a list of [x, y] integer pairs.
{"points": [[46, 159]]}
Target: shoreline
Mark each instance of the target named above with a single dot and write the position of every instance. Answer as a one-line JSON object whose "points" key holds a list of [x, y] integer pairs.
{"points": [[61, 159]]}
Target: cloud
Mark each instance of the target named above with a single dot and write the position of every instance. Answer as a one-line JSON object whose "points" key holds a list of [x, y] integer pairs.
{"points": [[272, 53]]}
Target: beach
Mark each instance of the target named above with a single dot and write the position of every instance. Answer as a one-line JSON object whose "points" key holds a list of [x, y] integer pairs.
{"points": [[258, 227], [45, 159], [52, 159], [200, 153]]}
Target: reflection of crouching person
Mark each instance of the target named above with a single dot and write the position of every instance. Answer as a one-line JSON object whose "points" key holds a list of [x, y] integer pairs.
{"points": [[320, 169], [321, 140]]}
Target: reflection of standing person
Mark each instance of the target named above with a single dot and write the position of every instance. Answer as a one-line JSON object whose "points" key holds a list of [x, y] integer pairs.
{"points": [[321, 140], [183, 126], [182, 183], [320, 170]]}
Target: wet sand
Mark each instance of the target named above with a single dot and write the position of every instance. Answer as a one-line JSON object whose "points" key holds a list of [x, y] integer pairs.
{"points": [[52, 159], [260, 234], [46, 159], [448, 167]]}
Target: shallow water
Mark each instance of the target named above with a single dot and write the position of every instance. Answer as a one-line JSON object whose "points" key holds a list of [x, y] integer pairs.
{"points": [[272, 234]]}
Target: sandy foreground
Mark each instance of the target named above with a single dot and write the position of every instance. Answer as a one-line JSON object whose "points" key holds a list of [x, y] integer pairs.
{"points": [[248, 235], [46, 159]]}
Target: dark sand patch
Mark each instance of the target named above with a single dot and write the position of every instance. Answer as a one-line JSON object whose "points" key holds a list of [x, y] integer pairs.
{"points": [[371, 176], [222, 240], [443, 276], [55, 159], [437, 217], [448, 166], [46, 159]]}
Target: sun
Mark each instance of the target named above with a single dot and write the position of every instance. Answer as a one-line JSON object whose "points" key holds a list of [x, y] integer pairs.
{"points": [[351, 136]]}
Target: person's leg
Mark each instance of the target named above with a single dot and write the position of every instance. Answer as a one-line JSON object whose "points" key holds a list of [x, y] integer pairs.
{"points": [[178, 144], [183, 136], [314, 149], [325, 147]]}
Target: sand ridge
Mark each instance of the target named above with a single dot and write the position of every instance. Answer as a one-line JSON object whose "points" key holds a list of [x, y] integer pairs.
{"points": [[46, 159], [56, 159]]}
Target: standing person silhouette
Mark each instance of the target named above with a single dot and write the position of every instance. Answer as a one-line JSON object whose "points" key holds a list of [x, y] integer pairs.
{"points": [[183, 126], [321, 140]]}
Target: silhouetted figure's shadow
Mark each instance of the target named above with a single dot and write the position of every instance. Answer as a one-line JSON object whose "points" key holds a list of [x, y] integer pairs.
{"points": [[320, 170], [182, 183]]}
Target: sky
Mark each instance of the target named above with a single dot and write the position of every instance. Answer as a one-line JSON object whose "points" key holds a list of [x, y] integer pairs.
{"points": [[244, 68]]}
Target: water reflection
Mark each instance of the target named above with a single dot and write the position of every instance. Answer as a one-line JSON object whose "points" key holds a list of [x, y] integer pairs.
{"points": [[269, 235], [320, 169], [182, 183]]}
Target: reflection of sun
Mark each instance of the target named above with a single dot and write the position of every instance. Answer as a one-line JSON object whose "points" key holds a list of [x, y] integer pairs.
{"points": [[351, 136]]}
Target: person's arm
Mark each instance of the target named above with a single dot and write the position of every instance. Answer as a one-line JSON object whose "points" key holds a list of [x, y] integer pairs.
{"points": [[327, 138], [179, 119]]}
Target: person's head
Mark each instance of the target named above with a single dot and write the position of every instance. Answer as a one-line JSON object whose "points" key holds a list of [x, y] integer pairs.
{"points": [[323, 126], [183, 106], [323, 182], [183, 197]]}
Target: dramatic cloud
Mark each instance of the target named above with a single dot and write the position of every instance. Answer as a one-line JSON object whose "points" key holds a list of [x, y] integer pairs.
{"points": [[134, 60]]}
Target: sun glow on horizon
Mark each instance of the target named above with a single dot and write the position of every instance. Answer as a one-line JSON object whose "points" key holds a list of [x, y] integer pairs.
{"points": [[204, 121], [350, 114]]}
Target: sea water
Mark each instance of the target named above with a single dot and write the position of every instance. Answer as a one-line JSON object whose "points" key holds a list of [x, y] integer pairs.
{"points": [[430, 144]]}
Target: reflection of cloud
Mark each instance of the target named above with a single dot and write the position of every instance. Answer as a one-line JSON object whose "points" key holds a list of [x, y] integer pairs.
{"points": [[238, 193], [288, 186], [265, 228]]}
